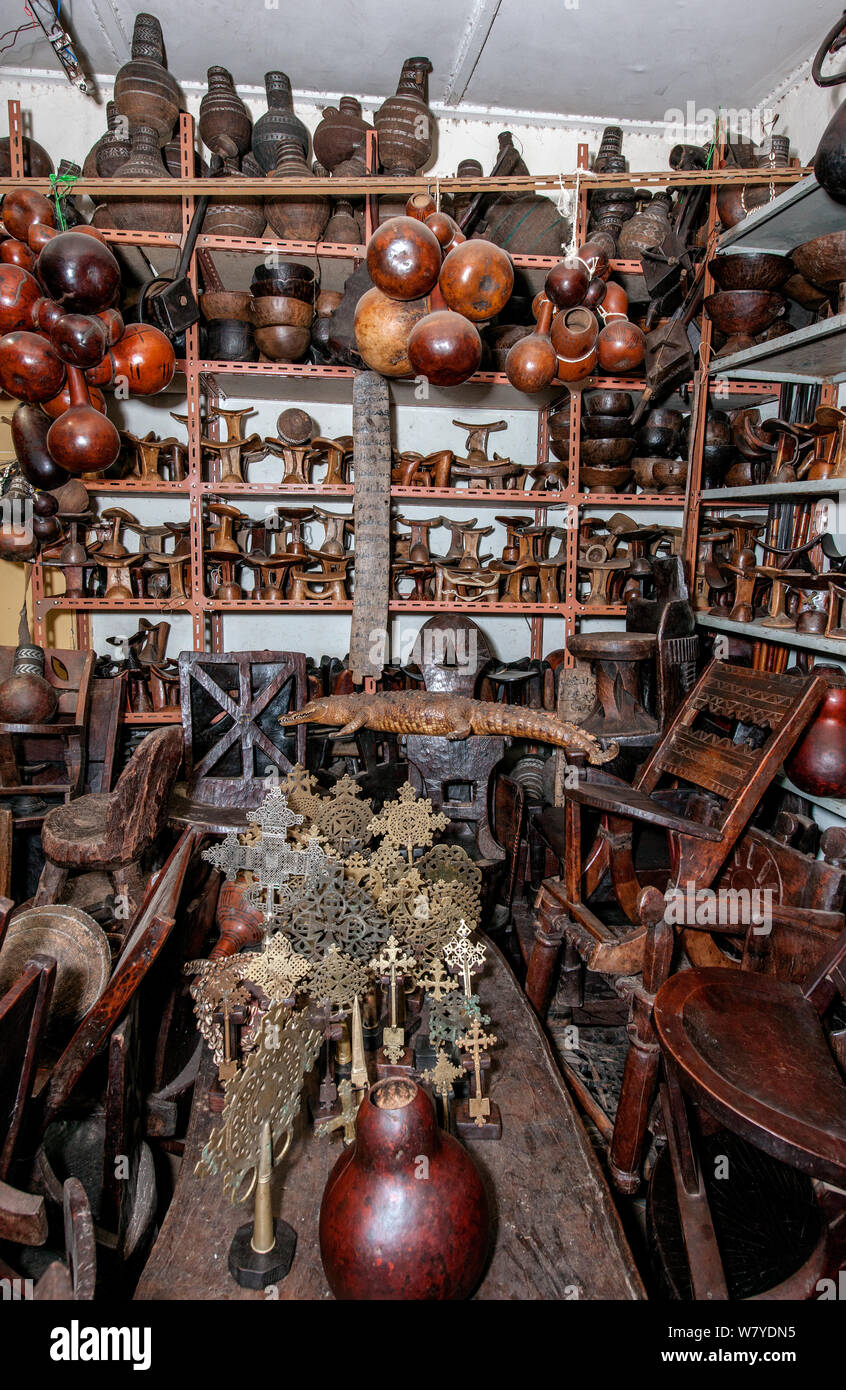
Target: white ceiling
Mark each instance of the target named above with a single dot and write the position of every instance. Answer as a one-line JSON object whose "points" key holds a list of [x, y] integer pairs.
{"points": [[629, 58]]}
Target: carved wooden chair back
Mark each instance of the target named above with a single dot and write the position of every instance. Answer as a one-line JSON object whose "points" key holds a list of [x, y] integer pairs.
{"points": [[108, 694], [451, 652], [231, 703], [670, 616], [138, 805]]}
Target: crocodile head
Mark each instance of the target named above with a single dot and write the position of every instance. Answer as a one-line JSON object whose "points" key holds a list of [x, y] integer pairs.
{"points": [[315, 712]]}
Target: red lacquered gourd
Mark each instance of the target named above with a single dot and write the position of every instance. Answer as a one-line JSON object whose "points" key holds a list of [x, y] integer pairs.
{"points": [[30, 368], [38, 236], [573, 332], [143, 358], [79, 272], [23, 208], [445, 348], [387, 1233], [818, 762], [82, 440], [80, 340], [477, 279], [616, 301], [114, 323], [531, 364], [46, 314], [404, 258], [382, 330], [19, 293], [446, 229], [60, 403], [240, 923], [13, 252], [29, 439], [595, 293], [26, 696], [595, 258], [420, 206], [567, 282], [620, 347]]}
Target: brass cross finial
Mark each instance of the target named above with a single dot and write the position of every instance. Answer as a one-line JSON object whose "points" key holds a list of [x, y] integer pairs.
{"points": [[464, 954], [474, 1042], [438, 983]]}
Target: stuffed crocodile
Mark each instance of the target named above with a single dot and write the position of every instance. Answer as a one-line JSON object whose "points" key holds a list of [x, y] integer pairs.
{"points": [[447, 716]]}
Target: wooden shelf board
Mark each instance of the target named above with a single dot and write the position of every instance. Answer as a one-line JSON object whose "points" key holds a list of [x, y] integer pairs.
{"points": [[799, 214], [783, 636], [812, 354], [768, 492], [827, 803], [168, 716]]}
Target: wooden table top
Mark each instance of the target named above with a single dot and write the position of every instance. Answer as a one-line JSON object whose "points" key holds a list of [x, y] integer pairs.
{"points": [[556, 1232]]}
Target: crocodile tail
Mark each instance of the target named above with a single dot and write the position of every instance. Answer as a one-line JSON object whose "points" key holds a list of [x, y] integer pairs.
{"points": [[542, 727]]}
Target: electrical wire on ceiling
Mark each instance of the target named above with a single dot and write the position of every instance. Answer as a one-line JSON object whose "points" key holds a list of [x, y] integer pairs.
{"points": [[43, 16], [15, 32]]}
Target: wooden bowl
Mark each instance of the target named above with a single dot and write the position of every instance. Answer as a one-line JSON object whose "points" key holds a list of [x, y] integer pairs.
{"points": [[81, 951], [643, 469], [604, 479], [606, 451], [225, 304], [270, 309], [823, 260], [751, 270], [670, 474], [744, 311], [606, 426], [283, 342], [609, 403]]}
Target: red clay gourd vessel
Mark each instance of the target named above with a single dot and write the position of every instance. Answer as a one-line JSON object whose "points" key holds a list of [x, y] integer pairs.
{"points": [[384, 1233], [404, 258]]}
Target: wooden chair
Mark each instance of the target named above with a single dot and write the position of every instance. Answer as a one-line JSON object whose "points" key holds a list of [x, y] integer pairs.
{"points": [[61, 742], [231, 703], [111, 831], [453, 654], [752, 719], [750, 1049]]}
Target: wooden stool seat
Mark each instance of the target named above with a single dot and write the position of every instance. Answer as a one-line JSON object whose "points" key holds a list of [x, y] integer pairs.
{"points": [[75, 833], [751, 1049], [612, 646]]}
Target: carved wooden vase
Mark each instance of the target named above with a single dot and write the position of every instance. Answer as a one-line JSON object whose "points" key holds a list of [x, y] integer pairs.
{"points": [[404, 122], [225, 124], [341, 132], [145, 92], [404, 1213], [277, 122], [299, 218], [135, 212]]}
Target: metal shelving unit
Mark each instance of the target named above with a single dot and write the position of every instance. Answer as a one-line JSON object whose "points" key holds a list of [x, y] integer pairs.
{"points": [[202, 383]]}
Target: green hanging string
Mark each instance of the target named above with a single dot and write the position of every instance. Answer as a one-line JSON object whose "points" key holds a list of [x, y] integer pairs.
{"points": [[62, 188], [713, 145]]}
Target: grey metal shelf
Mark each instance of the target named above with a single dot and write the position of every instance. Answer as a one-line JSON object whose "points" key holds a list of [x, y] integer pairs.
{"points": [[784, 636], [799, 214], [827, 803], [812, 354], [769, 492]]}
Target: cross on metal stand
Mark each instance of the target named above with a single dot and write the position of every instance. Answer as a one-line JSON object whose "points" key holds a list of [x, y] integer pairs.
{"points": [[392, 965], [477, 1117]]}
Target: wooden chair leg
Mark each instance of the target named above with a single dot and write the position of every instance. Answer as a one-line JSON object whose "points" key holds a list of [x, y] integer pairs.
{"points": [[571, 990], [703, 1253], [541, 971], [52, 881], [6, 832], [640, 1075]]}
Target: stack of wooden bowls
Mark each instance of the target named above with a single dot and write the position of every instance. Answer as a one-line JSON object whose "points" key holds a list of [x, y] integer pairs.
{"points": [[661, 462], [607, 442], [282, 310]]}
